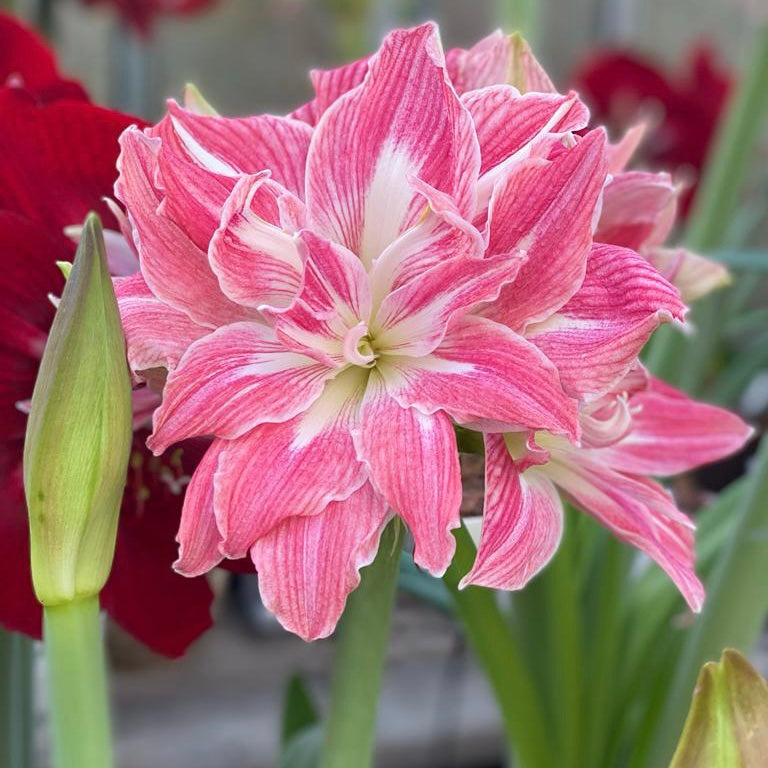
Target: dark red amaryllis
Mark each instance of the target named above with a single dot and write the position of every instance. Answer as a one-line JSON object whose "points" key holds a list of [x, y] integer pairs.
{"points": [[623, 87], [42, 190], [26, 62], [140, 13]]}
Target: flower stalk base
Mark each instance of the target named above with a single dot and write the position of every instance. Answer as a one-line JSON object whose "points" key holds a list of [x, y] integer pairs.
{"points": [[79, 706]]}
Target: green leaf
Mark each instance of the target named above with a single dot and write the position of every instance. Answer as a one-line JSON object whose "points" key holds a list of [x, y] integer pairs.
{"points": [[727, 725], [303, 750], [750, 261], [299, 711]]}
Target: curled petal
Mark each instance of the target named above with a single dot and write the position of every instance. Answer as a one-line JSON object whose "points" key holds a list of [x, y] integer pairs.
{"points": [[522, 522], [308, 565], [506, 121], [256, 261], [232, 380], [596, 337]]}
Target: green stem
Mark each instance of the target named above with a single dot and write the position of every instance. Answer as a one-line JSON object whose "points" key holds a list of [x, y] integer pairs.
{"points": [[736, 605], [350, 728], [504, 663], [518, 16], [16, 710], [566, 649], [79, 705], [673, 357]]}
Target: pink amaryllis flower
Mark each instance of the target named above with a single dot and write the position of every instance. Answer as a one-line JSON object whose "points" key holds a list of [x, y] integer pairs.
{"points": [[322, 333], [642, 428], [328, 294]]}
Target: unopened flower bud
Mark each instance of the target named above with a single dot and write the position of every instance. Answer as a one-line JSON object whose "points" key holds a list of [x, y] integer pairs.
{"points": [[78, 434]]}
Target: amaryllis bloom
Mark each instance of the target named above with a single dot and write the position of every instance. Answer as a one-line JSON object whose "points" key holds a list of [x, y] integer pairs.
{"points": [[26, 62], [42, 190], [623, 87], [327, 295], [642, 428], [141, 13]]}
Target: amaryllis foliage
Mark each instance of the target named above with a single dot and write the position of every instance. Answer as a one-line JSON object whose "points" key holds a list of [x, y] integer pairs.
{"points": [[683, 108], [333, 292], [42, 190], [141, 13]]}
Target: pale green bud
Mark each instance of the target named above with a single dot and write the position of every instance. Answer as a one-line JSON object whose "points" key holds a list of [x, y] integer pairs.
{"points": [[78, 433], [727, 726]]}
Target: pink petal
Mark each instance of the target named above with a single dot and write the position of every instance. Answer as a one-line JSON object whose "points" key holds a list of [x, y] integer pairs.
{"points": [[595, 338], [256, 261], [414, 462], [308, 565], [497, 59], [488, 62], [672, 433], [639, 511], [231, 381], [334, 300], [546, 207], [156, 335], [404, 121], [203, 156], [522, 522], [484, 373], [639, 209], [693, 275], [198, 536], [175, 269], [293, 468], [329, 85], [620, 154], [506, 121]]}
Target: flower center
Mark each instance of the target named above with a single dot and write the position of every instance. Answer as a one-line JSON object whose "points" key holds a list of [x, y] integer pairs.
{"points": [[358, 349]]}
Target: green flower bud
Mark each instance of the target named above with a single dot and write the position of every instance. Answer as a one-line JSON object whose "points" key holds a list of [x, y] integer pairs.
{"points": [[78, 434], [727, 726]]}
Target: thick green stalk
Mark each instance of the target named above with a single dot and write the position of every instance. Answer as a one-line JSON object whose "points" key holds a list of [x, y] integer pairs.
{"points": [[504, 663], [673, 357], [350, 728], [566, 648], [15, 700], [518, 16], [77, 680], [737, 602]]}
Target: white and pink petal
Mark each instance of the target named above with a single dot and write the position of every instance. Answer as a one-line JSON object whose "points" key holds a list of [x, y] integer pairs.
{"points": [[522, 521], [307, 566]]}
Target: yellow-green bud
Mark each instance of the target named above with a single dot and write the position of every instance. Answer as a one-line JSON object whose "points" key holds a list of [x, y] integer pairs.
{"points": [[727, 726], [78, 434]]}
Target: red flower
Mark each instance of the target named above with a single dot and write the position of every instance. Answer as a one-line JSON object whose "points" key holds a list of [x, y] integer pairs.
{"points": [[140, 13], [26, 62], [58, 161], [621, 86]]}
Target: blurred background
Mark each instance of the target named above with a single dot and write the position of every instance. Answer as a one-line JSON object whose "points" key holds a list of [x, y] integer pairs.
{"points": [[220, 705]]}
